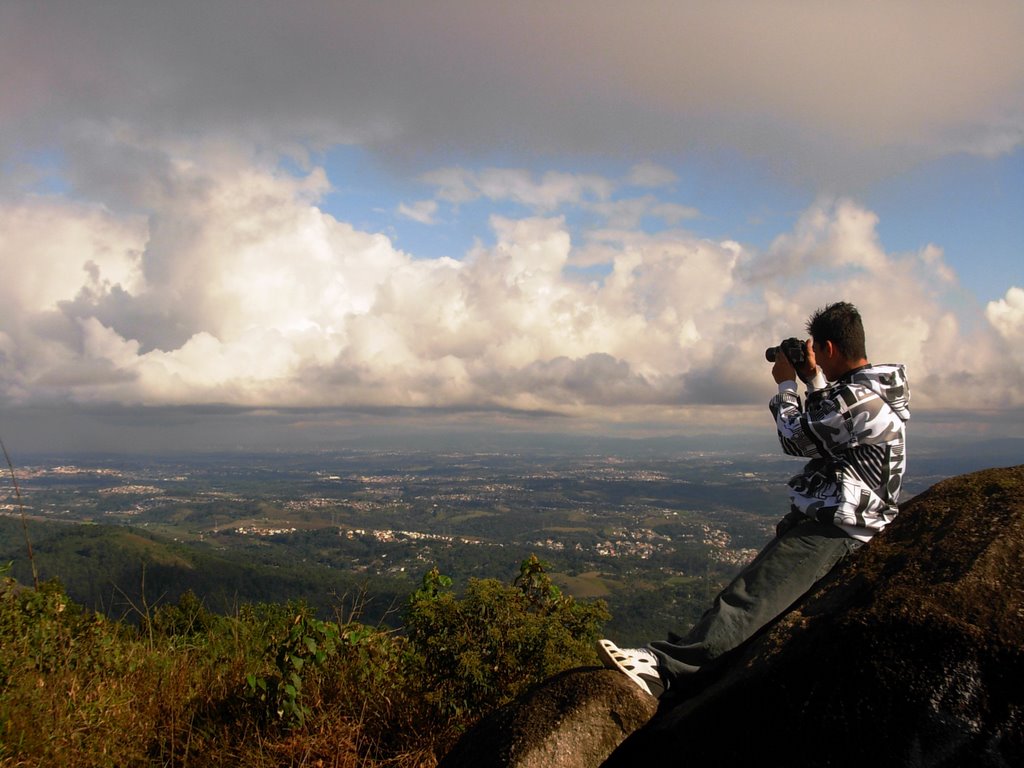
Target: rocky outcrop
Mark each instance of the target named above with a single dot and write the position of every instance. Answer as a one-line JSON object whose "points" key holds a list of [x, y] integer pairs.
{"points": [[911, 653]]}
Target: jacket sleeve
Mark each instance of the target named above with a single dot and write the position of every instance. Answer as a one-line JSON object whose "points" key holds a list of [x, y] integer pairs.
{"points": [[819, 430]]}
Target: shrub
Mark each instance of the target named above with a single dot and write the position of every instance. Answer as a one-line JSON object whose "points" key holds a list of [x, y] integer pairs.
{"points": [[480, 651], [298, 652]]}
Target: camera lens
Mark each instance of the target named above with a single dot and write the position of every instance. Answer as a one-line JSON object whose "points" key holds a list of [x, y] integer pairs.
{"points": [[769, 354]]}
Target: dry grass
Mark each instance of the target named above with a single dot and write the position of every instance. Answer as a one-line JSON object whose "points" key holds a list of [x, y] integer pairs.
{"points": [[79, 691]]}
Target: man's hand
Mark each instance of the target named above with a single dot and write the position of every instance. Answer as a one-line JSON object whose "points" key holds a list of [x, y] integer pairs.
{"points": [[783, 370]]}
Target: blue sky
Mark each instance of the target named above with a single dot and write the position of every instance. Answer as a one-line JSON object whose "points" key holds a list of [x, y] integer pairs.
{"points": [[971, 206], [582, 217], [968, 204]]}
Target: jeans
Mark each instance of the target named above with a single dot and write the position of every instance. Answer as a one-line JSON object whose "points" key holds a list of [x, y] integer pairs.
{"points": [[786, 569]]}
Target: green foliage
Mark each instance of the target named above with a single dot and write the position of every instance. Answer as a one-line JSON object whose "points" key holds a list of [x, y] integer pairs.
{"points": [[485, 648], [185, 619], [46, 632], [299, 652], [375, 659], [274, 684]]}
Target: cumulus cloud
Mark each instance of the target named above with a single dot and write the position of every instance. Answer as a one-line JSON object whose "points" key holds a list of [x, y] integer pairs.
{"points": [[225, 282], [1007, 317]]}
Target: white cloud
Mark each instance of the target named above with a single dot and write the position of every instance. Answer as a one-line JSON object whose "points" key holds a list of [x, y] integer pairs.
{"points": [[168, 263], [1007, 317], [934, 258], [51, 250], [235, 287], [423, 211], [629, 212], [547, 193], [834, 234]]}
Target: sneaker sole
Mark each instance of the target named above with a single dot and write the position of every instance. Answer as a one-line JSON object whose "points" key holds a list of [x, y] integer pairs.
{"points": [[613, 658]]}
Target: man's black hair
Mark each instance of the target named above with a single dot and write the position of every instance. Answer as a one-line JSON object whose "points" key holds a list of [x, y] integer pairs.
{"points": [[839, 323]]}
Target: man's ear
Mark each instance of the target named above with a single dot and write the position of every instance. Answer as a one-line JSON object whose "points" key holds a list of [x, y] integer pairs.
{"points": [[830, 349]]}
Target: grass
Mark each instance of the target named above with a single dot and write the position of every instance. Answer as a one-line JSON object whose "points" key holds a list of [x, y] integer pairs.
{"points": [[78, 690], [586, 585]]}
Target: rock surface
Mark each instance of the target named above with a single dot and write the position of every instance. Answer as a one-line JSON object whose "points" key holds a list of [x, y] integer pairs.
{"points": [[911, 653], [574, 720]]}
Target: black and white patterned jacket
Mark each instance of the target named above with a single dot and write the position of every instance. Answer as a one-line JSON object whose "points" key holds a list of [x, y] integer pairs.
{"points": [[854, 433]]}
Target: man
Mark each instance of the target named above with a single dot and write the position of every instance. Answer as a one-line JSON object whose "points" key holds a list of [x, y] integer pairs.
{"points": [[853, 431]]}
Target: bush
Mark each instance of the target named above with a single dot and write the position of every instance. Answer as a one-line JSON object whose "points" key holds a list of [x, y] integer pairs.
{"points": [[480, 651]]}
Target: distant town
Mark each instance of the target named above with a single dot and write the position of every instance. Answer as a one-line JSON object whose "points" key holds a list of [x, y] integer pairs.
{"points": [[653, 535], [606, 512]]}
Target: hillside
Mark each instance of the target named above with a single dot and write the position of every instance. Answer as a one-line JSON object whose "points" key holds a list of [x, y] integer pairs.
{"points": [[116, 570]]}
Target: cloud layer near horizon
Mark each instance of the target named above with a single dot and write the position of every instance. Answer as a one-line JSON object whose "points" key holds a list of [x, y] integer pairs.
{"points": [[236, 288]]}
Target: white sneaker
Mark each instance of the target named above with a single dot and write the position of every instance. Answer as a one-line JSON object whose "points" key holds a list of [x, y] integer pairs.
{"points": [[639, 664]]}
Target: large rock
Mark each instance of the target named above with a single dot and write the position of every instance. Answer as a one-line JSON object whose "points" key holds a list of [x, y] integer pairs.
{"points": [[574, 720], [911, 653]]}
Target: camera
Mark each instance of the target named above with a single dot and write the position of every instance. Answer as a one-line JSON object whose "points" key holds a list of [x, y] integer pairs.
{"points": [[794, 349]]}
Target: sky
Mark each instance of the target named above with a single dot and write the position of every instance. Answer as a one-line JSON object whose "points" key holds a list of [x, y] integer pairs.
{"points": [[256, 224]]}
